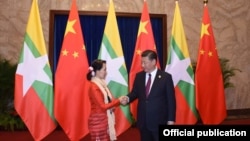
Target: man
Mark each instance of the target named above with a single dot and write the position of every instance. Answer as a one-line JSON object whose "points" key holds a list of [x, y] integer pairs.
{"points": [[159, 105]]}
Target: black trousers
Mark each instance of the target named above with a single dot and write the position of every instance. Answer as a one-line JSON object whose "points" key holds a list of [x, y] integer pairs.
{"points": [[147, 135]]}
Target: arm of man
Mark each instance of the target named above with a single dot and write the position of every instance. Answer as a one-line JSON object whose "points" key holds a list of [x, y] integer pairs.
{"points": [[171, 101]]}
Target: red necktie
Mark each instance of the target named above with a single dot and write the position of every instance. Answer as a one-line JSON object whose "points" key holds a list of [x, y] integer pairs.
{"points": [[148, 85]]}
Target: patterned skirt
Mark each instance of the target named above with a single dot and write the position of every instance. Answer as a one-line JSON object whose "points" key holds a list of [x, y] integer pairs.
{"points": [[98, 127]]}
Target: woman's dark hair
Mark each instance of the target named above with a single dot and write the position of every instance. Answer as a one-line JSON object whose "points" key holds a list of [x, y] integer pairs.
{"points": [[150, 54], [96, 65]]}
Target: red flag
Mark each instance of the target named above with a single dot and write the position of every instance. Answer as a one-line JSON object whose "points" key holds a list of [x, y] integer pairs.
{"points": [[145, 40], [72, 106], [33, 81], [210, 98]]}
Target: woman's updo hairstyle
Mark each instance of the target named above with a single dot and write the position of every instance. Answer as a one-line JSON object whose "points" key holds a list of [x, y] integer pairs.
{"points": [[96, 65]]}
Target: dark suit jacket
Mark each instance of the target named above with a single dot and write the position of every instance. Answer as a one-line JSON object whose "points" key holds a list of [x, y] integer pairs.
{"points": [[160, 106]]}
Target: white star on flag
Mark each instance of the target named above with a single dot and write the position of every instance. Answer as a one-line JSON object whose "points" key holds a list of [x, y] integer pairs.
{"points": [[113, 66], [32, 69], [178, 69]]}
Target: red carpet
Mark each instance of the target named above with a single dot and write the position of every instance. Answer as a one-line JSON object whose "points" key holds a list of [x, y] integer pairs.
{"points": [[58, 135]]}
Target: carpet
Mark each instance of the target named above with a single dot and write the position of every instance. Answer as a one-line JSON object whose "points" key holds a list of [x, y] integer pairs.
{"points": [[59, 135]]}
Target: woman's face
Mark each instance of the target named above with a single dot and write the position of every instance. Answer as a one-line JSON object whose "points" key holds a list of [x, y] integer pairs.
{"points": [[102, 72]]}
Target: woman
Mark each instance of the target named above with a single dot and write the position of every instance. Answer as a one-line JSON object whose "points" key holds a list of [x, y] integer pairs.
{"points": [[101, 121]]}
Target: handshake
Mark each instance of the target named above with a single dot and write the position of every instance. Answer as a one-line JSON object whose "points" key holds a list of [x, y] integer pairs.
{"points": [[124, 100]]}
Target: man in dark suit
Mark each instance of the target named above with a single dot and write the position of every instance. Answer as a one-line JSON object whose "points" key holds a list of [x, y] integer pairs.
{"points": [[159, 105]]}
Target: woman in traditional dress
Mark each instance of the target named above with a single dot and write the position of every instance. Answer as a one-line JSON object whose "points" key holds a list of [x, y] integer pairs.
{"points": [[101, 122]]}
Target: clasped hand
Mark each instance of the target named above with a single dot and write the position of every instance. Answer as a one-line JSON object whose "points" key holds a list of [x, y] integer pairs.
{"points": [[123, 100]]}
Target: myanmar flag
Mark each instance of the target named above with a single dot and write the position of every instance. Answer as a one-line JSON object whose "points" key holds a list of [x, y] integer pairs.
{"points": [[179, 66], [33, 80], [117, 77]]}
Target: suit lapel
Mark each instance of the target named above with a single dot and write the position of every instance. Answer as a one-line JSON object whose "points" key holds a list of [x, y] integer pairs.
{"points": [[142, 80]]}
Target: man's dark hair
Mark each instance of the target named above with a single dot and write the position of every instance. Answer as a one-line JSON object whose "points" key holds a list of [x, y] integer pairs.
{"points": [[150, 54]]}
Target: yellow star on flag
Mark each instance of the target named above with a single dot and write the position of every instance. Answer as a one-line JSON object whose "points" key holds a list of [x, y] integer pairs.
{"points": [[210, 53], [138, 52], [202, 52], [204, 29], [83, 47], [75, 54], [65, 52], [142, 28], [70, 27]]}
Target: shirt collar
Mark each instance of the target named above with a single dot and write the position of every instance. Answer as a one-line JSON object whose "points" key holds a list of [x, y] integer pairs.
{"points": [[153, 73]]}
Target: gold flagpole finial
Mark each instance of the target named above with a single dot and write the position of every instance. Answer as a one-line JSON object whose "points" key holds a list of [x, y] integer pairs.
{"points": [[205, 1]]}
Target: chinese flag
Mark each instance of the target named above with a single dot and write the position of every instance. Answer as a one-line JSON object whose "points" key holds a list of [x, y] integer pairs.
{"points": [[72, 107], [210, 96], [145, 40]]}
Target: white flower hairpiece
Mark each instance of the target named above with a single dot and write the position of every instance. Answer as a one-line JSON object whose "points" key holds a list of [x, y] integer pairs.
{"points": [[91, 68], [92, 71]]}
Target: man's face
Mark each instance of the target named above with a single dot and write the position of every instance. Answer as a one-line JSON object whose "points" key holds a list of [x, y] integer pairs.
{"points": [[148, 65]]}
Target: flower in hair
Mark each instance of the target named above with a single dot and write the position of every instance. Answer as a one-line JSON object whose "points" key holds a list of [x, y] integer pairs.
{"points": [[92, 71], [91, 68]]}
